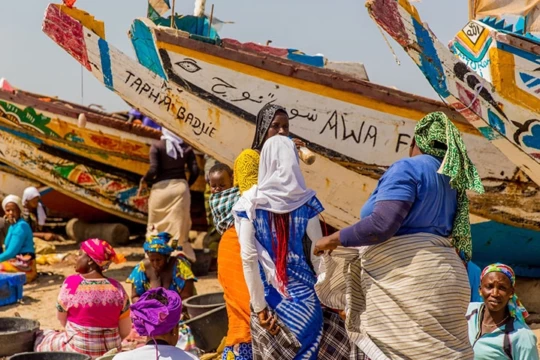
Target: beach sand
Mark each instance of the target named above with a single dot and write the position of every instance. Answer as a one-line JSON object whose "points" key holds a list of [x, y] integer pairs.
{"points": [[39, 298]]}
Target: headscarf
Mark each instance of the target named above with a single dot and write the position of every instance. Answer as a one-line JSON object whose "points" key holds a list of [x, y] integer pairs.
{"points": [[281, 189], [264, 119], [102, 253], [153, 318], [12, 199], [32, 193], [516, 309], [437, 127], [158, 244], [173, 144]]}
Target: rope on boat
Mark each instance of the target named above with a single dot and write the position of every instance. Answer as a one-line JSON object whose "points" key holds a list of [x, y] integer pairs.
{"points": [[477, 89], [388, 44]]}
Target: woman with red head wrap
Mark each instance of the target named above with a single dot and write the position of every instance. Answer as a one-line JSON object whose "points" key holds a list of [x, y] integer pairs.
{"points": [[93, 309]]}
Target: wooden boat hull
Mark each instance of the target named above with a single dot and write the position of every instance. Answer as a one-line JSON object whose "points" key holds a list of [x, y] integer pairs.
{"points": [[512, 126], [342, 182], [104, 139], [14, 182], [95, 187]]}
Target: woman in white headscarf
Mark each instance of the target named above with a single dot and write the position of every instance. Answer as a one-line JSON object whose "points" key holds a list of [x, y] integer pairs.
{"points": [[35, 213], [170, 200], [275, 221], [19, 252]]}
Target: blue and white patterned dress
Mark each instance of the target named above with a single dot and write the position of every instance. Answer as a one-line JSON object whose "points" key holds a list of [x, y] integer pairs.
{"points": [[301, 312]]}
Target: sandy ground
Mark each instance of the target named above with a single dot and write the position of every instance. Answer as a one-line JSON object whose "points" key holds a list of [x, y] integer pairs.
{"points": [[39, 298]]}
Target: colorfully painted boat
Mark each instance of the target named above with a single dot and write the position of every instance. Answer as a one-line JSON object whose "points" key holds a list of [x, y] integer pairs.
{"points": [[499, 98], [73, 175], [209, 95], [104, 138], [58, 205]]}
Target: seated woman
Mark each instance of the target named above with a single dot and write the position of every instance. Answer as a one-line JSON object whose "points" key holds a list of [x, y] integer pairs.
{"points": [[93, 309], [497, 329], [161, 269], [156, 316], [19, 253]]}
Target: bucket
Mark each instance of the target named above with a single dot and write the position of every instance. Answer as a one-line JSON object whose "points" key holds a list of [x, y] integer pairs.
{"points": [[200, 304], [50, 356], [204, 259], [17, 335], [209, 329]]}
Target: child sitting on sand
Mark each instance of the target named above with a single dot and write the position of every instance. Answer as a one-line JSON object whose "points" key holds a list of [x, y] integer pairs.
{"points": [[230, 271]]}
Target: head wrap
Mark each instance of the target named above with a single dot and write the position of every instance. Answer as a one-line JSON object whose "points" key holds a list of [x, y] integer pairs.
{"points": [[158, 244], [101, 253], [264, 119], [32, 193], [281, 189], [516, 309], [12, 199], [153, 318], [437, 127], [173, 144]]}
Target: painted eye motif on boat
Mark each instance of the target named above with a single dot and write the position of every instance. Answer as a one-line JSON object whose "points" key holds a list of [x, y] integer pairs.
{"points": [[189, 65]]}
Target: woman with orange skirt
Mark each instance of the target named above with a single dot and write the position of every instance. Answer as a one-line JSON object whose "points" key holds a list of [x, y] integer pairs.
{"points": [[230, 269]]}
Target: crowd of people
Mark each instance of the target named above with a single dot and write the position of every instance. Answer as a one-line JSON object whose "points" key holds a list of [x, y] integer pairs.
{"points": [[395, 285]]}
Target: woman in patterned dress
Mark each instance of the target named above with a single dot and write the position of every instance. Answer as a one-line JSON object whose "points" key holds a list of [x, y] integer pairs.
{"points": [[160, 269], [93, 309], [273, 219]]}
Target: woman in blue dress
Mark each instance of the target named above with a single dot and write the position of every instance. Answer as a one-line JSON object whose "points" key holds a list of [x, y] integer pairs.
{"points": [[275, 221]]}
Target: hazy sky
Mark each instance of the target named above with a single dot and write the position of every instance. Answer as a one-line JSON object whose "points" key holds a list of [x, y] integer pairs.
{"points": [[339, 29]]}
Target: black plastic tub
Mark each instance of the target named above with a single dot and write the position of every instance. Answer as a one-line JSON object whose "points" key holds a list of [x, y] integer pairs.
{"points": [[209, 329], [200, 304], [50, 356], [17, 335]]}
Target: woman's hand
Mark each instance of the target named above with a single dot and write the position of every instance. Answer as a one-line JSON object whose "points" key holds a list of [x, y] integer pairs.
{"points": [[268, 322], [142, 186], [327, 243], [299, 143]]}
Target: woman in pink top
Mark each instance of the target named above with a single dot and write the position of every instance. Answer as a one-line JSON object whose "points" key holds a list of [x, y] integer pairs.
{"points": [[93, 309]]}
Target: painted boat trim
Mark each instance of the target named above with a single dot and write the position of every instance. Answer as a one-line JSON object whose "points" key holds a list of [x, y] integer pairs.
{"points": [[401, 20]]}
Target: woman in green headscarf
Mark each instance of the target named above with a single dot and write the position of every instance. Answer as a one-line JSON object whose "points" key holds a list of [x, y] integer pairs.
{"points": [[407, 288]]}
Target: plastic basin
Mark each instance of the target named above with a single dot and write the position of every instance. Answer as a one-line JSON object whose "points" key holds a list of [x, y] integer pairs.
{"points": [[200, 304], [17, 335], [209, 329]]}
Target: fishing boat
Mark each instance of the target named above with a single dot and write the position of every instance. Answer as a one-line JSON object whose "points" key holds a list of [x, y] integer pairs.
{"points": [[208, 92], [74, 176], [58, 205], [81, 130], [489, 73]]}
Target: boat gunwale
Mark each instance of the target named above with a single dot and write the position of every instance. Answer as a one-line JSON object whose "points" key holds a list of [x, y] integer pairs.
{"points": [[322, 76], [62, 108]]}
